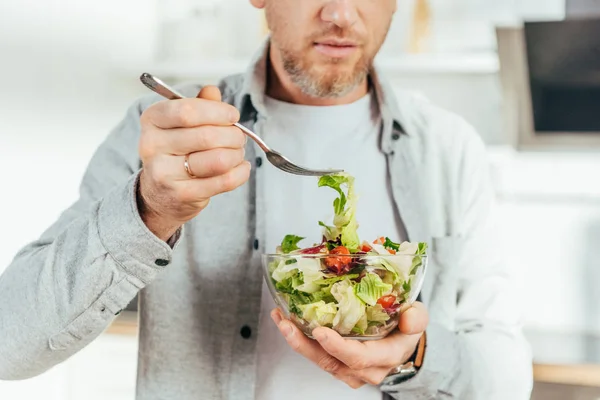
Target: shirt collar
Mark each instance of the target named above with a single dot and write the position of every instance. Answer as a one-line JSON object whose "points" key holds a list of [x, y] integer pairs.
{"points": [[251, 98]]}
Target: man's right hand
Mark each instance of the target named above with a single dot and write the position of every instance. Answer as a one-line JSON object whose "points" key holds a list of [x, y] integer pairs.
{"points": [[203, 129]]}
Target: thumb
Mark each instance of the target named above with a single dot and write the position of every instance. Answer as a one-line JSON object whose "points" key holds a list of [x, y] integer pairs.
{"points": [[414, 320], [210, 93]]}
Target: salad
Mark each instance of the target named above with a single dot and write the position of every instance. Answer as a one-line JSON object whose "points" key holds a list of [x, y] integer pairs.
{"points": [[354, 287]]}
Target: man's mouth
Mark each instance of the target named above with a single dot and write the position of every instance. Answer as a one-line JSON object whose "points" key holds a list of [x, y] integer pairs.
{"points": [[336, 48]]}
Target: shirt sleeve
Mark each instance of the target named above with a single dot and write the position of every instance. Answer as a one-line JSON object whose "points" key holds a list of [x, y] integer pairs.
{"points": [[64, 289], [481, 353]]}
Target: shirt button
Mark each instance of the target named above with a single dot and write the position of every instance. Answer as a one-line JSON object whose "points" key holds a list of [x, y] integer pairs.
{"points": [[258, 161], [161, 263], [395, 136], [246, 332], [256, 244]]}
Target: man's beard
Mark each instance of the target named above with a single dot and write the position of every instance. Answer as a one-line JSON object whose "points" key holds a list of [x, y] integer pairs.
{"points": [[330, 85]]}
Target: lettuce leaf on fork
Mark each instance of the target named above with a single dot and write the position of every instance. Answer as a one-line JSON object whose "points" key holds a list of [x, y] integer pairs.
{"points": [[344, 206]]}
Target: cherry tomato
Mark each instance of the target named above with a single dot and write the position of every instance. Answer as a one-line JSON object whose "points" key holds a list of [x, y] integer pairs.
{"points": [[338, 264], [387, 301]]}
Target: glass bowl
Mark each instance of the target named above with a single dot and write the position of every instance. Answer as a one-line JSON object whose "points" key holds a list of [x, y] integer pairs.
{"points": [[310, 294]]}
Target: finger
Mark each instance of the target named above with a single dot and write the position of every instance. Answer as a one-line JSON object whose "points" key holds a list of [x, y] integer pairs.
{"points": [[385, 353], [342, 374], [414, 320], [198, 190], [189, 113], [215, 162], [189, 140], [210, 93], [310, 349]]}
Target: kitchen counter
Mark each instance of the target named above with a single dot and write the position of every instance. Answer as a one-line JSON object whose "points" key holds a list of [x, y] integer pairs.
{"points": [[559, 358]]}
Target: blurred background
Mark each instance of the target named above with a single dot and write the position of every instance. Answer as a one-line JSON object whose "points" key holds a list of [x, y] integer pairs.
{"points": [[525, 73]]}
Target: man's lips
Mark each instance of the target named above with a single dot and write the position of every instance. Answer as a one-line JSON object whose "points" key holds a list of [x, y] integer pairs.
{"points": [[336, 48]]}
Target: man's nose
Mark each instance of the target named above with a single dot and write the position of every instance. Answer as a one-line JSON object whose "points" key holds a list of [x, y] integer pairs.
{"points": [[342, 13]]}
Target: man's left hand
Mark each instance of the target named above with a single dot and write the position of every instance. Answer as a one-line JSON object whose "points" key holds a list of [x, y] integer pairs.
{"points": [[356, 362]]}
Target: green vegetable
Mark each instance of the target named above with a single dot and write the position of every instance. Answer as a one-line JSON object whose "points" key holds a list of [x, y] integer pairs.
{"points": [[310, 269], [335, 182], [406, 287], [362, 325], [391, 269], [320, 312], [289, 285], [377, 314], [344, 221], [330, 281], [350, 308], [324, 295], [371, 288], [294, 308], [290, 243], [388, 244], [328, 228], [357, 330], [416, 263]]}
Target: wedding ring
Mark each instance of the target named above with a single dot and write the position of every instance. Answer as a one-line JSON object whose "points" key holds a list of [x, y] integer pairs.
{"points": [[186, 165]]}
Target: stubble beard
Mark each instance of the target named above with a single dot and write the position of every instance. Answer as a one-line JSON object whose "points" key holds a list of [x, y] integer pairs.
{"points": [[329, 85]]}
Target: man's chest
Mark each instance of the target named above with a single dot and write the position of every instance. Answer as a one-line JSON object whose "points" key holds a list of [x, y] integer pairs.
{"points": [[295, 204]]}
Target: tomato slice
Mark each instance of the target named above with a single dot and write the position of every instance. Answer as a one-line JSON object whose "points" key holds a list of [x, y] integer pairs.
{"points": [[387, 301], [366, 247], [338, 264], [380, 240]]}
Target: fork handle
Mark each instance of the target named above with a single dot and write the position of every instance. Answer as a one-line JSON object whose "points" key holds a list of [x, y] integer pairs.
{"points": [[158, 86], [254, 137]]}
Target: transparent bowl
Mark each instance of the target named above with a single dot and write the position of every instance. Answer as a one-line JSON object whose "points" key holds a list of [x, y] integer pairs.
{"points": [[410, 269]]}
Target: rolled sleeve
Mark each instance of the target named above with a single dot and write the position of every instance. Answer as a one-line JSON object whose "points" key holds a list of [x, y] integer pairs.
{"points": [[127, 239]]}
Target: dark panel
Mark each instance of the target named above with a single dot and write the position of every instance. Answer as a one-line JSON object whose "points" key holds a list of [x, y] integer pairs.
{"points": [[564, 74]]}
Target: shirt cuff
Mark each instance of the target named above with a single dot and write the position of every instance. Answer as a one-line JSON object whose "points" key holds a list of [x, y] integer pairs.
{"points": [[436, 373], [127, 239]]}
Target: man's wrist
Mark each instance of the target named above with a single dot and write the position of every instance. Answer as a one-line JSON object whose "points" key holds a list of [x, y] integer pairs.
{"points": [[162, 228], [411, 367]]}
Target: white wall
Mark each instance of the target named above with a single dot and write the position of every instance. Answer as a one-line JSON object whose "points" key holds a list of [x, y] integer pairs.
{"points": [[61, 94], [62, 91]]}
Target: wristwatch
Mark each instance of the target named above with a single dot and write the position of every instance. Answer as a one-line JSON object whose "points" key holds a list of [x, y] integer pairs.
{"points": [[404, 372]]}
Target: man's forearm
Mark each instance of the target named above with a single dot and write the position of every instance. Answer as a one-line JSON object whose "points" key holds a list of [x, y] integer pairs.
{"points": [[63, 290]]}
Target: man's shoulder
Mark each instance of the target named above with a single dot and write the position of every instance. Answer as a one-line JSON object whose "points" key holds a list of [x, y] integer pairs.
{"points": [[437, 132], [434, 124]]}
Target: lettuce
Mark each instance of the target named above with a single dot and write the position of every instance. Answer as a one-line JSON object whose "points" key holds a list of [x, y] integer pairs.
{"points": [[371, 288], [319, 313], [350, 308], [310, 269], [290, 243], [362, 325], [344, 221], [331, 281], [377, 314]]}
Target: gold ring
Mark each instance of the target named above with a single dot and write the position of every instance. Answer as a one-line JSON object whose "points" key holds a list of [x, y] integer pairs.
{"points": [[186, 165]]}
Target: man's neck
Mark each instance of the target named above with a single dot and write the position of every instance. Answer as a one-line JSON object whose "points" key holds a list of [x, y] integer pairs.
{"points": [[281, 87]]}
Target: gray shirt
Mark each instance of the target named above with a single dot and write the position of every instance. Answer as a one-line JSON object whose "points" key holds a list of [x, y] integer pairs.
{"points": [[64, 289]]}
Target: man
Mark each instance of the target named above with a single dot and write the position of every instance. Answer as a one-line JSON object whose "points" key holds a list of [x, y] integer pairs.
{"points": [[143, 225]]}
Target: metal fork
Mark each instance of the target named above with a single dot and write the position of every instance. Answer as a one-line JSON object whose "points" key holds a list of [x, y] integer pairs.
{"points": [[274, 157]]}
